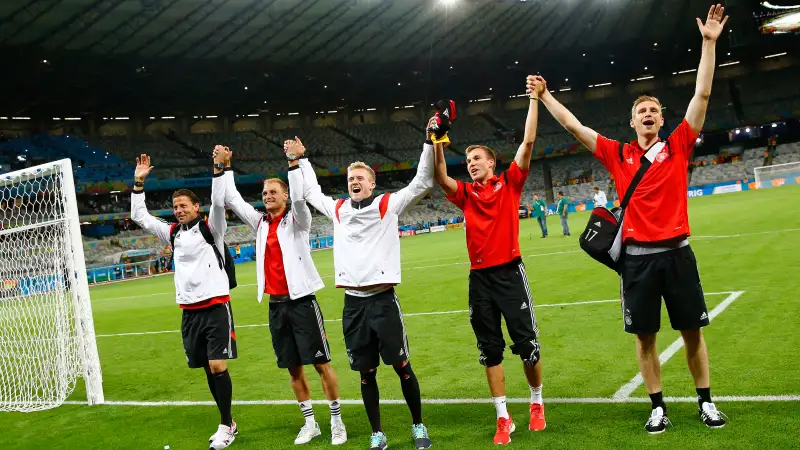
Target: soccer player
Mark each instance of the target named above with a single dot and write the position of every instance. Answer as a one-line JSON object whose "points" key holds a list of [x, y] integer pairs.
{"points": [[600, 198], [539, 208], [561, 209], [658, 261], [366, 255], [498, 282], [201, 285], [286, 273]]}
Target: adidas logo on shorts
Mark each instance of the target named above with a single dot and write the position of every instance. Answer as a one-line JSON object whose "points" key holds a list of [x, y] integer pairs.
{"points": [[703, 316], [524, 306], [318, 355]]}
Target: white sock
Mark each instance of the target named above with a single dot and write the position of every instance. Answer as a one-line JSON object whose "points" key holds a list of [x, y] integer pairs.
{"points": [[308, 412], [336, 411], [500, 406], [536, 395]]}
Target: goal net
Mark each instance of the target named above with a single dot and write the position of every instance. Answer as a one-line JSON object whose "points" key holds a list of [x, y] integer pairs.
{"points": [[777, 175], [47, 335]]}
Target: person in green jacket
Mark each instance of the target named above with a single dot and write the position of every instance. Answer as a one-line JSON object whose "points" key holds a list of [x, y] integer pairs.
{"points": [[561, 210], [539, 211]]}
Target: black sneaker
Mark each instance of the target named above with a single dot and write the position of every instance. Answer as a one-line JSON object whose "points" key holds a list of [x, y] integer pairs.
{"points": [[710, 416], [658, 421]]}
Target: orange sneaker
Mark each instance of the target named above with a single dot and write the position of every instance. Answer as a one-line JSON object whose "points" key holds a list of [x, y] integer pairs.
{"points": [[537, 417], [504, 429]]}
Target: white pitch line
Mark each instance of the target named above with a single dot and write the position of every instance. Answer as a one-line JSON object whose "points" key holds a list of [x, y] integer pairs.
{"points": [[627, 389], [457, 401], [745, 234], [432, 313]]}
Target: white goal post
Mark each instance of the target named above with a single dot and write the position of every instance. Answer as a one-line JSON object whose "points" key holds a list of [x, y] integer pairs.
{"points": [[47, 337], [765, 175]]}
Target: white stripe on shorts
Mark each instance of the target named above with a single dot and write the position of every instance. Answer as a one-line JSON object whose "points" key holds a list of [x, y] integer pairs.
{"points": [[403, 323], [524, 274], [321, 326], [230, 329]]}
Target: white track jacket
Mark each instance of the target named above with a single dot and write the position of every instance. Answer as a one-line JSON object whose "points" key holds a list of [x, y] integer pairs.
{"points": [[198, 276], [366, 244], [293, 236]]}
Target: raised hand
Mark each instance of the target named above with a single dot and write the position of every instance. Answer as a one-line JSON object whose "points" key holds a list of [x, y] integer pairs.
{"points": [[143, 167], [221, 154], [714, 23], [294, 147], [535, 86]]}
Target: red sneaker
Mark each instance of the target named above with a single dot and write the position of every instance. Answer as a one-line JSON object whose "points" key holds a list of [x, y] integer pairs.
{"points": [[504, 429], [537, 417]]}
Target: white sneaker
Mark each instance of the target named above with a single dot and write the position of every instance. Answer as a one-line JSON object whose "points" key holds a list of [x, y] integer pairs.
{"points": [[338, 433], [307, 433], [223, 438], [220, 428]]}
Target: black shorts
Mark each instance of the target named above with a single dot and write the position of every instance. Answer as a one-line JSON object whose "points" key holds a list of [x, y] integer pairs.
{"points": [[503, 290], [298, 333], [673, 275], [208, 334], [373, 327]]}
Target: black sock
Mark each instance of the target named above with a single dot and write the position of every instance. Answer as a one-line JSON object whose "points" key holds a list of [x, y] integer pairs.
{"points": [[703, 396], [211, 385], [410, 386], [224, 387], [657, 400], [371, 397]]}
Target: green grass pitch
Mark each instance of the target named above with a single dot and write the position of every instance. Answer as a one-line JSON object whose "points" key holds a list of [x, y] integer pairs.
{"points": [[747, 241]]}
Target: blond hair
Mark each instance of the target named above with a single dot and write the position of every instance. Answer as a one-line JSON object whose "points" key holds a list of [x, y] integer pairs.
{"points": [[361, 165], [279, 181], [642, 99], [489, 152]]}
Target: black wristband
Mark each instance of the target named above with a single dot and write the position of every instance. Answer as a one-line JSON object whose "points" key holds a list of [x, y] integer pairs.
{"points": [[138, 184]]}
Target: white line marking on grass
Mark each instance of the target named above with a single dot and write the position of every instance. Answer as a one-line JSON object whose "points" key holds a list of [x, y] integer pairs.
{"points": [[745, 234], [627, 389], [456, 401], [431, 313]]}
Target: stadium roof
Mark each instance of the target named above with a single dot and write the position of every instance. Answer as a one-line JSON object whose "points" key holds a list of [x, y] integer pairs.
{"points": [[239, 55]]}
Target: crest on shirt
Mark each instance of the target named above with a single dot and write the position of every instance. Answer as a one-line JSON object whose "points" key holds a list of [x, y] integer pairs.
{"points": [[662, 155], [629, 160], [285, 221], [498, 186]]}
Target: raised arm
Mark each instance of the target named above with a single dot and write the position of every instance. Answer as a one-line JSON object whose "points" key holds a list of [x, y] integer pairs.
{"points": [[711, 30], [234, 200], [300, 211], [448, 185], [139, 213], [534, 86], [418, 187], [312, 191], [584, 134], [216, 214]]}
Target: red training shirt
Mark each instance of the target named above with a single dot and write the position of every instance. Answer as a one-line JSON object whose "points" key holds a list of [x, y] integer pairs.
{"points": [[491, 216], [274, 273], [658, 210]]}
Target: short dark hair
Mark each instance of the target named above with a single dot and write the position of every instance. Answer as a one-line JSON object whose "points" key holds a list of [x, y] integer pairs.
{"points": [[561, 193], [489, 152], [186, 193], [596, 188]]}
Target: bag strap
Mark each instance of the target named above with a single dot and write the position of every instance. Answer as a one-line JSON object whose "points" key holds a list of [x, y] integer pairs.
{"points": [[636, 178], [206, 232]]}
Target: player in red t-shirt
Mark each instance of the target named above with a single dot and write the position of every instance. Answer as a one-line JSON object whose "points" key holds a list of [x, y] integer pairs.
{"points": [[498, 283], [658, 261]]}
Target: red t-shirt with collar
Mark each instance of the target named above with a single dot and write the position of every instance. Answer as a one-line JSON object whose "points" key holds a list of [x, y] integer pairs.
{"points": [[274, 272], [658, 210], [491, 216]]}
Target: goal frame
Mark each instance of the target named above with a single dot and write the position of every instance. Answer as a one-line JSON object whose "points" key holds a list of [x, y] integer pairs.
{"points": [[81, 301], [760, 181]]}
